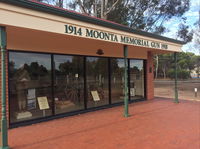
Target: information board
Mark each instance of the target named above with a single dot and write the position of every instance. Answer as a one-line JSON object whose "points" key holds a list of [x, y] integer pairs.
{"points": [[43, 103]]}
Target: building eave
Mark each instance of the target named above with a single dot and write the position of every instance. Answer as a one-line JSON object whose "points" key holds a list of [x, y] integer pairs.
{"points": [[77, 16]]}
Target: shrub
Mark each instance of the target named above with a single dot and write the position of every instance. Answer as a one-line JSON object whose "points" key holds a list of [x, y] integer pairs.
{"points": [[181, 73]]}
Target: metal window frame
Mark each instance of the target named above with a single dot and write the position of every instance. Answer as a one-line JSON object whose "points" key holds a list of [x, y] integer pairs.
{"points": [[86, 109]]}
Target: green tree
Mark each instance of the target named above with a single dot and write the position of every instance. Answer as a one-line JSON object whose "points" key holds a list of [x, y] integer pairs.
{"points": [[147, 15], [197, 66], [165, 63], [35, 70], [184, 33], [187, 62]]}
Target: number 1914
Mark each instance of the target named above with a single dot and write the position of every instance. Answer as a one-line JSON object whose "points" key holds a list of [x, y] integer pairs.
{"points": [[73, 30]]}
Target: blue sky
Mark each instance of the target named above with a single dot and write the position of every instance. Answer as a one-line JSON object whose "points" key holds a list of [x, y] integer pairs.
{"points": [[192, 16]]}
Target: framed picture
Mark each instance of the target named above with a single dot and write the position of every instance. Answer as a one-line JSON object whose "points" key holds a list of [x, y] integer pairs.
{"points": [[31, 104], [31, 93]]}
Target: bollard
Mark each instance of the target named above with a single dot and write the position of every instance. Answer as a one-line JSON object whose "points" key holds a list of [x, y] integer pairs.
{"points": [[195, 92]]}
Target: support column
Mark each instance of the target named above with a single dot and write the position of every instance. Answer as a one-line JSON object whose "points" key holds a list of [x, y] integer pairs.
{"points": [[126, 113], [175, 79], [149, 76], [4, 129]]}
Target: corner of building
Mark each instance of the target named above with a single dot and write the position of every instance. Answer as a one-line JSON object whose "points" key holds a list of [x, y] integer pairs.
{"points": [[149, 76]]}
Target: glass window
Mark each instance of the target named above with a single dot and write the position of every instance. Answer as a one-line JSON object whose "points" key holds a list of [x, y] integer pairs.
{"points": [[97, 81], [30, 83], [136, 79], [117, 80], [68, 83], [30, 86]]}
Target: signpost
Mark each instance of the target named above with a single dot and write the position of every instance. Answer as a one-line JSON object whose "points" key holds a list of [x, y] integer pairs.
{"points": [[126, 114], [176, 77], [195, 92]]}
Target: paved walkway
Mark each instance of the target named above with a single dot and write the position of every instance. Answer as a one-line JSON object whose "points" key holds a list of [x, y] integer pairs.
{"points": [[155, 124]]}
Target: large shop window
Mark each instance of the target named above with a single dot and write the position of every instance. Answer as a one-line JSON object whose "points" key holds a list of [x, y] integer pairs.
{"points": [[136, 79], [97, 81], [41, 85], [30, 86], [68, 83], [117, 80]]}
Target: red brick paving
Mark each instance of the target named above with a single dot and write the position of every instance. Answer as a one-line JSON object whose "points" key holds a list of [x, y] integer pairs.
{"points": [[155, 124]]}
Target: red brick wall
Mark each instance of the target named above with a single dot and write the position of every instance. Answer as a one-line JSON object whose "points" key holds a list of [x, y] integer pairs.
{"points": [[149, 77]]}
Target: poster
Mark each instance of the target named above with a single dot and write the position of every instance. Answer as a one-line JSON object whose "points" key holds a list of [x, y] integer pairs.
{"points": [[95, 95], [31, 104], [31, 93], [132, 91], [43, 103]]}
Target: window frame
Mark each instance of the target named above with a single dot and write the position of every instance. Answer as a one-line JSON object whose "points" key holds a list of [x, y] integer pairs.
{"points": [[85, 109]]}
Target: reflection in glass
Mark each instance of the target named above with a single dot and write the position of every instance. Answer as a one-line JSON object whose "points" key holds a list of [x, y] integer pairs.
{"points": [[117, 80], [69, 83], [136, 79], [30, 83], [30, 79], [97, 81]]}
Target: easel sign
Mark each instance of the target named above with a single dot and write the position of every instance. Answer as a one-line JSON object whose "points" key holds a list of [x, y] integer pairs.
{"points": [[95, 95], [43, 104]]}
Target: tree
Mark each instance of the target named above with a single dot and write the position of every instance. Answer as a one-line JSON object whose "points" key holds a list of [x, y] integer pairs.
{"points": [[98, 8], [58, 3], [35, 70], [197, 34], [184, 33], [147, 15], [187, 62], [197, 66], [165, 63]]}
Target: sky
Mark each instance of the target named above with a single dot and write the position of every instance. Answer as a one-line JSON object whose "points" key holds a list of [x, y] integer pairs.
{"points": [[192, 16]]}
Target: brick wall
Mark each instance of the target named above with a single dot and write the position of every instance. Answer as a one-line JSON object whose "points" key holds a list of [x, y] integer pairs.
{"points": [[150, 77]]}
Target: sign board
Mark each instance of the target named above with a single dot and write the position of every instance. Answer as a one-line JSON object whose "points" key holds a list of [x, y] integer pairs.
{"points": [[43, 103], [113, 37], [95, 95]]}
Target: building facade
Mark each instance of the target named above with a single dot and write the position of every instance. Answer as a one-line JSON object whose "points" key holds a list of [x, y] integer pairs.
{"points": [[61, 63]]}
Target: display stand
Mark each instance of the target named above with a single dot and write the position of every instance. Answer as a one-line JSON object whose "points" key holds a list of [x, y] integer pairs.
{"points": [[95, 97], [95, 103], [43, 104], [23, 115], [44, 113]]}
